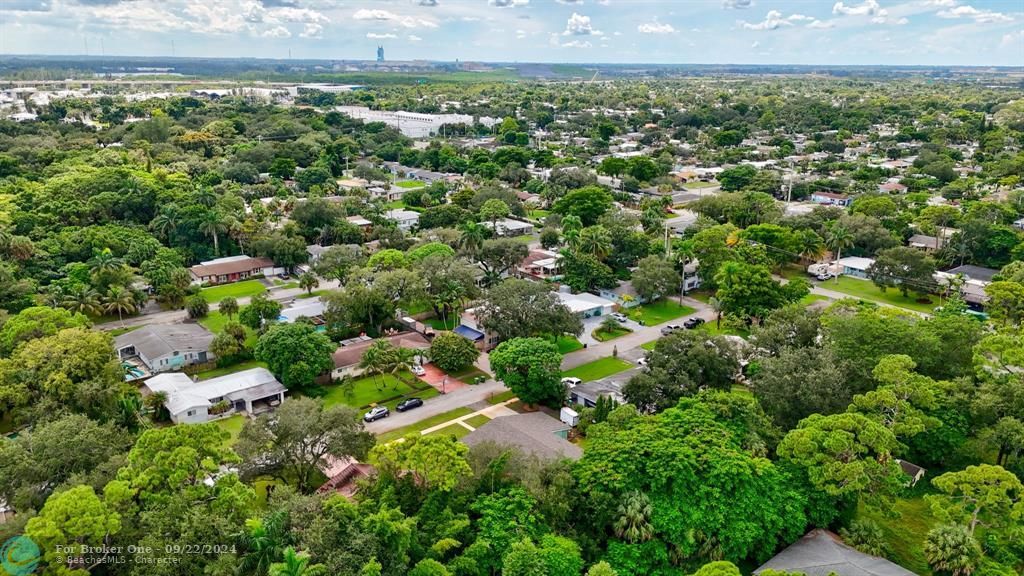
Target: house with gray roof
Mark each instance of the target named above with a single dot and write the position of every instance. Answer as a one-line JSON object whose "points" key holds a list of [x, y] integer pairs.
{"points": [[193, 402], [821, 553], [532, 433], [163, 348]]}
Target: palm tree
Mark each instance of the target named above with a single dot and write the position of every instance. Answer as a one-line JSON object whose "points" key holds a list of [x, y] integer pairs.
{"points": [[596, 240], [377, 359], [120, 300], [836, 238], [105, 262], [156, 403], [811, 246], [634, 522], [213, 224], [571, 227], [473, 236], [951, 548], [205, 197], [263, 541], [716, 305], [308, 282], [609, 325], [84, 300], [296, 564], [164, 225], [228, 306]]}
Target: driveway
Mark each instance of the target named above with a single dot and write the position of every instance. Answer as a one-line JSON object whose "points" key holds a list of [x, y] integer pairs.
{"points": [[437, 378], [591, 324]]}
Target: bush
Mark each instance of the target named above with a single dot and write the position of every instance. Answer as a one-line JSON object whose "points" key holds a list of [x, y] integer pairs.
{"points": [[197, 307], [451, 352]]}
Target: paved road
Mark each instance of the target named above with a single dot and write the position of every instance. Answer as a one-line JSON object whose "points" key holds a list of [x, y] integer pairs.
{"points": [[438, 405], [178, 316]]}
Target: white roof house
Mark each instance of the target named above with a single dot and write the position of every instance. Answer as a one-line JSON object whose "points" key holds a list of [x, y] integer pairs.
{"points": [[190, 402], [310, 309], [406, 219], [510, 227], [586, 304], [854, 266]]}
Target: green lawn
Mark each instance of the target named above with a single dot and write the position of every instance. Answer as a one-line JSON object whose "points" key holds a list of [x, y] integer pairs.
{"points": [[598, 369], [409, 184], [726, 329], [567, 344], [812, 298], [423, 424], [905, 534], [456, 430], [233, 426], [866, 290], [243, 289], [602, 336], [499, 398], [468, 373], [696, 184], [538, 214], [649, 345], [477, 421], [207, 374], [526, 239], [422, 393], [658, 312], [367, 390], [215, 322], [118, 331], [439, 324]]}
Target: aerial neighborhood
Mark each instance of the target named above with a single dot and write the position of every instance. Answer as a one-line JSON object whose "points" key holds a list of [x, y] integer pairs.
{"points": [[718, 324]]}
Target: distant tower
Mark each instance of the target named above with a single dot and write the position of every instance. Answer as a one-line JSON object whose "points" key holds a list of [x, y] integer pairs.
{"points": [[380, 53]]}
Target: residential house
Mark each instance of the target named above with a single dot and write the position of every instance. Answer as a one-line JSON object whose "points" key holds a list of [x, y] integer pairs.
{"points": [[623, 295], [350, 184], [163, 348], [386, 193], [510, 227], [315, 251], [831, 199], [1019, 224], [855, 266], [528, 198], [232, 269], [471, 329], [533, 433], [821, 553], [541, 265], [250, 391], [587, 393], [973, 281], [350, 353], [343, 476], [913, 471], [682, 220], [892, 188], [312, 308], [360, 222], [924, 242], [406, 219], [586, 305]]}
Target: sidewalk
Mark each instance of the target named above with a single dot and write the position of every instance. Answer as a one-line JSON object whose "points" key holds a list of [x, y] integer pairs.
{"points": [[438, 405]]}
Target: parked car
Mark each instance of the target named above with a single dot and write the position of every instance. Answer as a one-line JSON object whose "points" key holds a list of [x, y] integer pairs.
{"points": [[409, 404], [418, 370], [376, 413], [692, 323], [571, 382], [669, 329], [642, 362], [824, 276], [620, 316]]}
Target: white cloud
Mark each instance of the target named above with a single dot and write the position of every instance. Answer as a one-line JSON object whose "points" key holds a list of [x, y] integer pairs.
{"points": [[773, 21], [520, 34], [365, 14], [655, 28], [755, 44], [821, 25], [312, 30], [940, 3], [414, 38], [577, 44], [569, 1], [376, 36], [387, 16], [430, 3], [980, 16], [868, 8], [604, 2], [1013, 39], [508, 3], [579, 25], [276, 32], [737, 4]]}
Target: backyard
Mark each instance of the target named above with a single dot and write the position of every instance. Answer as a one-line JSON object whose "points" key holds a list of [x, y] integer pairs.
{"points": [[207, 374], [233, 426], [215, 322], [658, 312], [242, 289], [866, 290], [600, 368]]}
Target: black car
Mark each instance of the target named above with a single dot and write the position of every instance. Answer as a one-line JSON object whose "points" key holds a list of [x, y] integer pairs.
{"points": [[409, 404], [693, 323]]}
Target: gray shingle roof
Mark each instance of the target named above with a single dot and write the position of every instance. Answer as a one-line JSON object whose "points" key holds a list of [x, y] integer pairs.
{"points": [[158, 340], [820, 553], [533, 433]]}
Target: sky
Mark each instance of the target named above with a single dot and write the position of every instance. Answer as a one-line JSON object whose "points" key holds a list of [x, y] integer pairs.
{"points": [[925, 32]]}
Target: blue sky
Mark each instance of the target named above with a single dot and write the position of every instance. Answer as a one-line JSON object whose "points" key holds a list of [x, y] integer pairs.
{"points": [[959, 32]]}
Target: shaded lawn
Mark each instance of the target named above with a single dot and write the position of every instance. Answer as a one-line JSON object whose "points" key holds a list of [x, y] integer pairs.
{"points": [[418, 308], [499, 398], [423, 424], [468, 373], [866, 290], [242, 289], [905, 534], [366, 391], [567, 344], [602, 336], [711, 327], [701, 295], [658, 312], [215, 372], [600, 368], [812, 298], [791, 271], [215, 322], [478, 420], [233, 426]]}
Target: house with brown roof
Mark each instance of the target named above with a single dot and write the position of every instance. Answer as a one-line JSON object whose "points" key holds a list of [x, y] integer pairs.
{"points": [[350, 353], [232, 269]]}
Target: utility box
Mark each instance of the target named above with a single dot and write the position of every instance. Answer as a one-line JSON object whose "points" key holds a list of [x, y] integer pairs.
{"points": [[569, 416]]}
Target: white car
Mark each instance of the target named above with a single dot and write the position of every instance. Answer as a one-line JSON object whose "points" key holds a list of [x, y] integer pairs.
{"points": [[418, 370], [642, 361], [620, 316], [571, 382]]}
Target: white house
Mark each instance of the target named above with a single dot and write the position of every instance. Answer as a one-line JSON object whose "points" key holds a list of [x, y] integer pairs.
{"points": [[251, 391], [406, 219], [586, 305], [830, 199], [510, 227], [163, 348], [854, 266]]}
